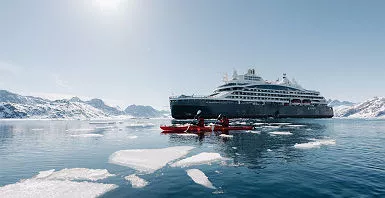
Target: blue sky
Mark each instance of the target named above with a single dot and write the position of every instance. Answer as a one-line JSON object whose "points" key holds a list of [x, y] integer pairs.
{"points": [[141, 52]]}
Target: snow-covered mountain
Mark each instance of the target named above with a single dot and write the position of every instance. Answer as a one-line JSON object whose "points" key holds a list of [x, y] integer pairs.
{"points": [[17, 106], [372, 108], [143, 111], [336, 103]]}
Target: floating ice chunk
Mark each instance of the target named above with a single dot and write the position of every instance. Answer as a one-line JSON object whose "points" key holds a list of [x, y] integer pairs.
{"points": [[307, 145], [272, 127], [43, 174], [74, 174], [200, 178], [315, 144], [269, 150], [280, 133], [295, 125], [102, 122], [234, 147], [148, 160], [87, 135], [255, 132], [54, 188], [140, 125], [136, 181], [187, 134], [225, 136], [280, 123], [85, 129], [327, 142], [132, 137], [105, 127], [201, 158], [39, 129]]}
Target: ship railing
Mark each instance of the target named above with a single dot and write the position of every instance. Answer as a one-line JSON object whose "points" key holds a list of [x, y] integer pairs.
{"points": [[185, 96]]}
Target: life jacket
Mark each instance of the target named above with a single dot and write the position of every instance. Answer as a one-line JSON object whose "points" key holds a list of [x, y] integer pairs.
{"points": [[225, 122], [201, 122]]}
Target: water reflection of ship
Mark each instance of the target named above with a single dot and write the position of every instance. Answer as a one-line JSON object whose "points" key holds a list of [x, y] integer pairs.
{"points": [[251, 149]]}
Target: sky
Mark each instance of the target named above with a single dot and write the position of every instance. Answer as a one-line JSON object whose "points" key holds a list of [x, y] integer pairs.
{"points": [[141, 52]]}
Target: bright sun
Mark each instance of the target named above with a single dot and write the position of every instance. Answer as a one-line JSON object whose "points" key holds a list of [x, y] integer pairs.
{"points": [[107, 5]]}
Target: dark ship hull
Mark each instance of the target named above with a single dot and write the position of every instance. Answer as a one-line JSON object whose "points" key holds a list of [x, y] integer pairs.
{"points": [[186, 109]]}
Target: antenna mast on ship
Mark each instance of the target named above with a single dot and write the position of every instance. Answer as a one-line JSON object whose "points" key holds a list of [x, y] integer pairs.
{"points": [[226, 78]]}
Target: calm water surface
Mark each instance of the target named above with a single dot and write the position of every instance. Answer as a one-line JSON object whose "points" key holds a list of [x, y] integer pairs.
{"points": [[259, 165]]}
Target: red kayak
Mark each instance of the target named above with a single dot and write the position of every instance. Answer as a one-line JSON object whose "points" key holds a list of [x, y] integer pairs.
{"points": [[195, 129]]}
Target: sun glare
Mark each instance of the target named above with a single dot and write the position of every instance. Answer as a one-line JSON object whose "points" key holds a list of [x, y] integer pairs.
{"points": [[107, 5]]}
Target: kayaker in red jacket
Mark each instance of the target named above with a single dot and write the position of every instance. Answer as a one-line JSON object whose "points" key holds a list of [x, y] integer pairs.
{"points": [[224, 121], [201, 122]]}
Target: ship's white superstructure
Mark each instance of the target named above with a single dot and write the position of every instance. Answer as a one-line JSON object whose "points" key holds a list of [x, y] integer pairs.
{"points": [[253, 88]]}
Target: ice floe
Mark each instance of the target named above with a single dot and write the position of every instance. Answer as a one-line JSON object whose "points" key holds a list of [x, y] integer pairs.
{"points": [[251, 131], [39, 129], [105, 127], [280, 133], [272, 127], [58, 184], [102, 122], [74, 174], [200, 178], [132, 137], [140, 125], [295, 125], [280, 123], [225, 136], [269, 150], [255, 132], [54, 188], [148, 160], [87, 135], [85, 129], [136, 181], [201, 158], [315, 144]]}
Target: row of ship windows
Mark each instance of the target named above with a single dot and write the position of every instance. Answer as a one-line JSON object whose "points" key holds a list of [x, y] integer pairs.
{"points": [[278, 91], [259, 98], [257, 94], [252, 78]]}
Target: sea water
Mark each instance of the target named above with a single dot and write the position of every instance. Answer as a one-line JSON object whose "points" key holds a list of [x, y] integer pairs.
{"points": [[131, 158]]}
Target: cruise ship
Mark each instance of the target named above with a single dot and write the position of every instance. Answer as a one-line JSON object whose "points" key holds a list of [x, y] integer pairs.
{"points": [[250, 96]]}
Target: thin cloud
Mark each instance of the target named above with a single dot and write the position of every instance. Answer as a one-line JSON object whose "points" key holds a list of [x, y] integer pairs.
{"points": [[61, 83], [8, 69]]}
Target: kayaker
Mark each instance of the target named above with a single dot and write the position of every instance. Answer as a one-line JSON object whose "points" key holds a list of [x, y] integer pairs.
{"points": [[224, 121], [201, 122]]}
